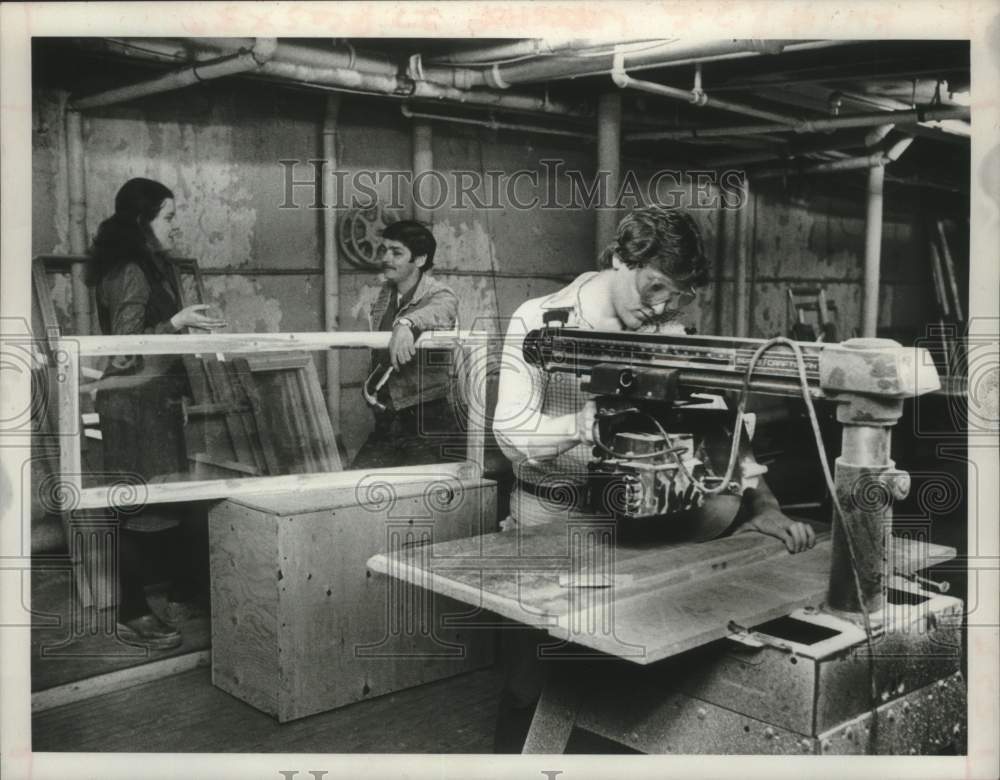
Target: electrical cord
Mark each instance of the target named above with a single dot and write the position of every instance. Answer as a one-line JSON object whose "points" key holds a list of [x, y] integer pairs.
{"points": [[827, 476]]}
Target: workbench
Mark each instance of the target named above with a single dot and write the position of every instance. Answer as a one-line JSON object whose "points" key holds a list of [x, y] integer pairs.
{"points": [[645, 603]]}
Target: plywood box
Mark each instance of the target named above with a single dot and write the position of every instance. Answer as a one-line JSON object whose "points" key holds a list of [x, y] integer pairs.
{"points": [[300, 626]]}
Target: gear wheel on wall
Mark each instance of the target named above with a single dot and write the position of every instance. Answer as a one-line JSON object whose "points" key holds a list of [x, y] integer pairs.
{"points": [[359, 233]]}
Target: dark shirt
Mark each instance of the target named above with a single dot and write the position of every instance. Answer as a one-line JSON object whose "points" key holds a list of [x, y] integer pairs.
{"points": [[381, 357], [395, 304]]}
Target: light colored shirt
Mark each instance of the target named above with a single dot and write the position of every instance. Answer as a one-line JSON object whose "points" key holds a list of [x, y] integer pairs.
{"points": [[535, 422]]}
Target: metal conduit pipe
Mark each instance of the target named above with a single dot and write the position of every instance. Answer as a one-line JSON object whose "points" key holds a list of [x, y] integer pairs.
{"points": [[494, 124], [653, 56], [873, 252], [422, 147], [529, 47], [346, 57], [609, 166], [331, 264], [402, 88], [876, 159], [339, 56], [741, 288], [695, 96], [76, 173], [383, 81], [913, 116], [257, 55]]}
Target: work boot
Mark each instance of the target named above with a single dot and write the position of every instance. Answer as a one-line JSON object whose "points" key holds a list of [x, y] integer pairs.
{"points": [[149, 631]]}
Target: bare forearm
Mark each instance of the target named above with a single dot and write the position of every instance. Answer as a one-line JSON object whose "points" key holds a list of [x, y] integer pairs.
{"points": [[762, 499]]}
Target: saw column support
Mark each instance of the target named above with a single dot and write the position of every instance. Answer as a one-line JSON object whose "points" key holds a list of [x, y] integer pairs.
{"points": [[867, 482]]}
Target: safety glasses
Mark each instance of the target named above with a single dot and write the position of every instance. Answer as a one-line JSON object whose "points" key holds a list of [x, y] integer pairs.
{"points": [[655, 288]]}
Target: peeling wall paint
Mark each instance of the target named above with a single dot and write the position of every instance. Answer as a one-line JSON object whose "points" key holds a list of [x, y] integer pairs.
{"points": [[49, 191], [219, 146], [243, 306], [215, 219]]}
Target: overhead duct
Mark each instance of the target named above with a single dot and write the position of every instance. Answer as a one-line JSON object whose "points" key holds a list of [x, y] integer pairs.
{"points": [[654, 55], [807, 125], [695, 96], [494, 124], [252, 58], [404, 88], [528, 47], [875, 159], [336, 69], [584, 62]]}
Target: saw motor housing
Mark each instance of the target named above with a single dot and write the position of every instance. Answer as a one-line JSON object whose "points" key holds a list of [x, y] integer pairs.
{"points": [[658, 449]]}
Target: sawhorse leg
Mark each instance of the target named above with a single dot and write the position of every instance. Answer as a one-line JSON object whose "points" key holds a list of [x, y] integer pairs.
{"points": [[555, 714]]}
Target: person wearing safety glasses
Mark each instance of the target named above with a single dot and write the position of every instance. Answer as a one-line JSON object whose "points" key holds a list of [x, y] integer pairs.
{"points": [[408, 389], [543, 421]]}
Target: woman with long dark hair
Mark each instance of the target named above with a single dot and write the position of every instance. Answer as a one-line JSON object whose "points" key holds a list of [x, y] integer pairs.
{"points": [[141, 424]]}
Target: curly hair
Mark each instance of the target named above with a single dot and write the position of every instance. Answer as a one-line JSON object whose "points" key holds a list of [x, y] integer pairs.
{"points": [[667, 239]]}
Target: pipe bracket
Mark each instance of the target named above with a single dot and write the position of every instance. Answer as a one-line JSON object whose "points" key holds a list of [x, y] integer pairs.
{"points": [[494, 79]]}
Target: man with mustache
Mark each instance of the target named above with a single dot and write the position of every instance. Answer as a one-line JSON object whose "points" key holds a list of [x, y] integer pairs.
{"points": [[411, 407], [543, 421]]}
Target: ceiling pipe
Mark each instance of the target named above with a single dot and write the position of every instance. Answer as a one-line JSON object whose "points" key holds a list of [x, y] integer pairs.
{"points": [[422, 150], [666, 53], [250, 59], [609, 168], [741, 287], [331, 260], [873, 252], [310, 67], [494, 124], [528, 47], [876, 159], [696, 96], [345, 56], [341, 55], [76, 173], [913, 116], [395, 86]]}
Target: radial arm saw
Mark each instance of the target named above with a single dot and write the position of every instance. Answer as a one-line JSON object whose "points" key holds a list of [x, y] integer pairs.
{"points": [[643, 386]]}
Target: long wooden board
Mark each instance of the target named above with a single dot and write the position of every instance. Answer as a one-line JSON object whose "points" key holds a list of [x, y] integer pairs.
{"points": [[674, 597]]}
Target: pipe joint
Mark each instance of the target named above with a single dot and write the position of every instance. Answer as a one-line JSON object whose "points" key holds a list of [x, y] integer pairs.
{"points": [[415, 68], [405, 87], [263, 50], [698, 97], [618, 75]]}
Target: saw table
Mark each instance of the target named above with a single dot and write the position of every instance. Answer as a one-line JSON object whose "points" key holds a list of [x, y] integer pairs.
{"points": [[644, 604]]}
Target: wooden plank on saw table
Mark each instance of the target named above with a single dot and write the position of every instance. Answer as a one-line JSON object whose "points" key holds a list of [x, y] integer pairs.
{"points": [[644, 623], [668, 620]]}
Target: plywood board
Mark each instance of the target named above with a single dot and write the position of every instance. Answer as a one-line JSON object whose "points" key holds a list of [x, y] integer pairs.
{"points": [[244, 561], [673, 598], [299, 624]]}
